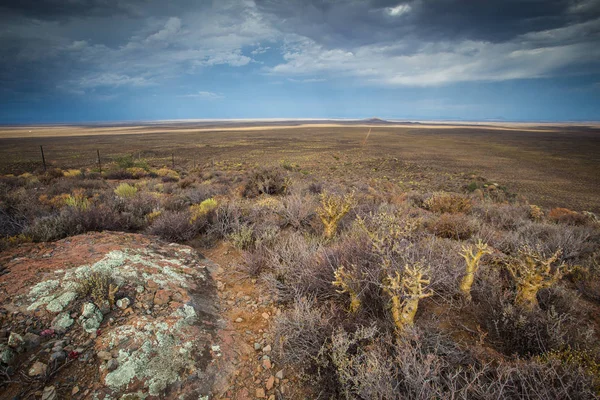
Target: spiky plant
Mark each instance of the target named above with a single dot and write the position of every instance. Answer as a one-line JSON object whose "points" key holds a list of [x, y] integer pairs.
{"points": [[472, 265]]}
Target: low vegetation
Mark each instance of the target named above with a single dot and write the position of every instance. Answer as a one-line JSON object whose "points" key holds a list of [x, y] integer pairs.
{"points": [[388, 291]]}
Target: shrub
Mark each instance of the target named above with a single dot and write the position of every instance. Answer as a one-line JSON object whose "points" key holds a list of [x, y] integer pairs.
{"points": [[101, 287], [568, 217], [448, 203], [243, 237], [453, 226], [201, 210], [77, 200], [125, 190], [172, 226], [269, 181], [300, 332], [118, 174], [73, 173]]}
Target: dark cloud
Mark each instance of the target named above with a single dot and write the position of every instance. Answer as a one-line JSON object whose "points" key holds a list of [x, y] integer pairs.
{"points": [[350, 23]]}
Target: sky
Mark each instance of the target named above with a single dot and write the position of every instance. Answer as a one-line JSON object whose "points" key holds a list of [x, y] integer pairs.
{"points": [[132, 60]]}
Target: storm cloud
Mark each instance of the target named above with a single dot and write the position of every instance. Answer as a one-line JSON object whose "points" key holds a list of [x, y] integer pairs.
{"points": [[111, 47]]}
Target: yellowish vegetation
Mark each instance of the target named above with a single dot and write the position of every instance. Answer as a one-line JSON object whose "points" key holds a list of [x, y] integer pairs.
{"points": [[342, 280], [332, 209], [405, 291], [472, 265], [448, 203], [201, 209], [125, 190], [167, 172], [77, 200], [72, 173], [153, 215], [100, 287], [535, 212], [532, 272]]}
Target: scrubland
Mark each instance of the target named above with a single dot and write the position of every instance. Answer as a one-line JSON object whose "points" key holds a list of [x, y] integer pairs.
{"points": [[395, 281]]}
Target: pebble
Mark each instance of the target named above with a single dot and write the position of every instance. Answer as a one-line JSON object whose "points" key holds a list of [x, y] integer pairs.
{"points": [[267, 349], [58, 356], [265, 315], [104, 355], [260, 393], [112, 364], [49, 393], [270, 382], [239, 319], [266, 364], [37, 369], [257, 346], [279, 374]]}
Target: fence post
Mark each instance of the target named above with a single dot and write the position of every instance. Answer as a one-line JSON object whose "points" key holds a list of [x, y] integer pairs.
{"points": [[99, 163], [43, 158]]}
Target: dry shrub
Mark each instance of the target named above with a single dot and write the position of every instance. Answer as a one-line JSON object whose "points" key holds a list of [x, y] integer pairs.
{"points": [[269, 181], [448, 203], [300, 332], [175, 203], [453, 226], [298, 211], [503, 216], [74, 221], [172, 226], [118, 174], [568, 217], [228, 218]]}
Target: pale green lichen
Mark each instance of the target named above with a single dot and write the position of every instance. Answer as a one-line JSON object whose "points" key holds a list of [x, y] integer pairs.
{"points": [[91, 318], [43, 288], [59, 303], [62, 321]]}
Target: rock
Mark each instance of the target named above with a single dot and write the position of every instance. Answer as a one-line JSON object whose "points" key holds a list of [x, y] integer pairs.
{"points": [[37, 369], [239, 319], [270, 382], [257, 346], [91, 318], [31, 340], [75, 390], [104, 307], [49, 393], [7, 355], [265, 315], [16, 341], [279, 374], [267, 349], [58, 356], [266, 364], [62, 322], [104, 355], [112, 364], [260, 393], [162, 297], [123, 303]]}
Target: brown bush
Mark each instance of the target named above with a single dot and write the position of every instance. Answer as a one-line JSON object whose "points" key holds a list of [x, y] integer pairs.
{"points": [[453, 226], [568, 217], [172, 226], [448, 203], [270, 181]]}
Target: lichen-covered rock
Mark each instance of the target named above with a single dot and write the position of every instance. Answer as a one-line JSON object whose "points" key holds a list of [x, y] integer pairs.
{"points": [[16, 341], [154, 344], [7, 355], [62, 322], [91, 317]]}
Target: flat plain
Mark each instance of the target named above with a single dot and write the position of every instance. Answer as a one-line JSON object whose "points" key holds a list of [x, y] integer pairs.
{"points": [[550, 164]]}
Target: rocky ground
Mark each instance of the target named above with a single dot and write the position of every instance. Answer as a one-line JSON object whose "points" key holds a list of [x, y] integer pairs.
{"points": [[174, 324]]}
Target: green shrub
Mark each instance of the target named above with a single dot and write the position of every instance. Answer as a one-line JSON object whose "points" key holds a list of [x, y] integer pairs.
{"points": [[125, 190]]}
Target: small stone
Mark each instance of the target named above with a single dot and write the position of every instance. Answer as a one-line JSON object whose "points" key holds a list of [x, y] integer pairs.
{"points": [[112, 364], [266, 364], [37, 369], [139, 289], [239, 319], [104, 307], [279, 374], [123, 303], [15, 341], [267, 349], [260, 393], [91, 318], [7, 354], [58, 356], [257, 346], [270, 382], [104, 355], [31, 340], [265, 315], [75, 390], [49, 393]]}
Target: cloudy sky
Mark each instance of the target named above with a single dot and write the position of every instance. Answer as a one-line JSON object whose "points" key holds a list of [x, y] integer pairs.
{"points": [[108, 60]]}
